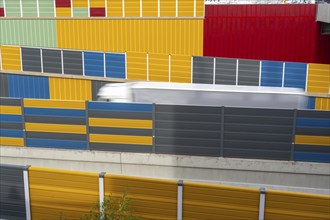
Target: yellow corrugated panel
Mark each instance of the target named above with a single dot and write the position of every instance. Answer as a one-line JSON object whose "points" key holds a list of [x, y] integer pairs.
{"points": [[180, 69], [97, 3], [120, 139], [57, 193], [10, 110], [313, 140], [182, 37], [120, 123], [11, 58], [151, 198], [63, 12], [70, 89], [115, 8], [318, 78], [42, 103], [136, 66], [208, 201], [132, 8], [80, 3], [296, 206], [200, 8], [19, 142], [185, 8], [56, 128], [322, 104], [149, 8], [167, 8], [158, 67]]}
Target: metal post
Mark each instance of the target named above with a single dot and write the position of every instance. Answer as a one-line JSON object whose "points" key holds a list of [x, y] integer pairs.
{"points": [[62, 61], [23, 122], [125, 65], [104, 66], [147, 66], [176, 8], [222, 135], [262, 202], [237, 63], [293, 133], [4, 7], [158, 8], [71, 8], [180, 199], [123, 6], [101, 193], [83, 61], [87, 125], [54, 4], [21, 8], [214, 65], [38, 10], [195, 8], [283, 74], [260, 66], [154, 128], [106, 8], [306, 83], [169, 68], [140, 8], [89, 8], [27, 192], [41, 61]]}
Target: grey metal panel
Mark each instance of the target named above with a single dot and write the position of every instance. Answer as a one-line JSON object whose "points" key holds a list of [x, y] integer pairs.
{"points": [[120, 131], [225, 71], [313, 114], [3, 85], [96, 85], [10, 125], [312, 148], [31, 59], [257, 136], [10, 101], [12, 200], [56, 136], [123, 115], [203, 70], [323, 13], [188, 150], [121, 147], [210, 118], [187, 109], [259, 128], [55, 120], [257, 145], [259, 112], [216, 126], [313, 131], [52, 61], [257, 154], [72, 62], [248, 72]]}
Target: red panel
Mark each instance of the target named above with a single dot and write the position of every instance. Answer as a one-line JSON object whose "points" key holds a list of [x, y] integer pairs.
{"points": [[265, 32], [63, 3], [97, 12], [2, 12]]}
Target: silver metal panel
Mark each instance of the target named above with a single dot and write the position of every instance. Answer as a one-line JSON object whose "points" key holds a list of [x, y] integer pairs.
{"points": [[52, 62], [72, 62], [225, 71], [31, 59], [248, 72], [323, 13], [3, 85], [10, 101], [203, 70]]}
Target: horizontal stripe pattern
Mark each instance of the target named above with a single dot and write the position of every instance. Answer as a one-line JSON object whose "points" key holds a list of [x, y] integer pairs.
{"points": [[313, 123], [313, 140], [122, 107], [55, 120], [312, 157], [120, 123], [11, 133], [120, 147], [10, 110], [11, 118], [48, 143], [10, 125], [55, 112], [56, 136], [120, 131], [35, 103], [11, 141], [10, 101], [121, 115], [56, 128], [120, 139]]}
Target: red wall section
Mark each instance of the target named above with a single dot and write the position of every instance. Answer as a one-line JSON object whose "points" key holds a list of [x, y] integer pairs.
{"points": [[265, 32]]}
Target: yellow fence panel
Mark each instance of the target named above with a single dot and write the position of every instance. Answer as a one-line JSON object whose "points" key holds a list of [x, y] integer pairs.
{"points": [[209, 201], [11, 58], [115, 8], [58, 193], [151, 198], [63, 12], [296, 206], [43, 103], [97, 3], [322, 104], [158, 67], [186, 8], [200, 8], [120, 139], [312, 140], [136, 66], [149, 8], [132, 8], [318, 78], [167, 8], [9, 141], [56, 128], [10, 110], [80, 3], [70, 89], [120, 123], [180, 69]]}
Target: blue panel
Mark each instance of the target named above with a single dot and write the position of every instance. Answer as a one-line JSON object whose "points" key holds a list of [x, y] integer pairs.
{"points": [[55, 112], [94, 64], [126, 107], [295, 75], [271, 73], [22, 86], [34, 142], [11, 133], [313, 123], [115, 65], [312, 157], [11, 118], [311, 103]]}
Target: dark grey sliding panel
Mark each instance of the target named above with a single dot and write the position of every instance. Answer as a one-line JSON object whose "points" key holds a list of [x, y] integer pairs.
{"points": [[203, 70], [258, 133], [248, 72], [12, 200], [225, 71], [72, 62], [96, 85], [31, 59], [188, 130], [52, 61], [3, 85]]}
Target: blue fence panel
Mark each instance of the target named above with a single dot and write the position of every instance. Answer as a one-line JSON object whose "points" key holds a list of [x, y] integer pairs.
{"points": [[311, 103], [271, 73], [125, 107], [115, 65], [94, 64], [312, 157], [295, 75]]}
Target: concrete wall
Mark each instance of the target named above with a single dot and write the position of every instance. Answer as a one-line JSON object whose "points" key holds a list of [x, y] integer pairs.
{"points": [[286, 175]]}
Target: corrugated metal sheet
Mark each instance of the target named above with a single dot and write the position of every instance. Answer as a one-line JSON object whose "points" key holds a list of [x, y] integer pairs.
{"points": [[72, 62], [23, 86], [265, 32], [24, 32], [295, 75], [80, 12], [318, 78], [280, 205], [271, 73], [225, 71], [70, 89], [46, 8], [136, 66], [322, 104], [52, 61], [180, 69], [94, 64], [12, 200], [13, 8], [115, 65], [154, 36], [31, 59], [3, 85], [158, 67], [311, 103], [149, 8], [11, 57], [29, 8], [151, 198], [206, 201], [115, 8], [52, 190], [203, 70], [248, 72], [132, 8]]}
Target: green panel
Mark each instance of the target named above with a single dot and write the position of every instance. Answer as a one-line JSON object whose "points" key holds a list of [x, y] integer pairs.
{"points": [[1, 3], [38, 33], [46, 8], [80, 12], [30, 8], [13, 8]]}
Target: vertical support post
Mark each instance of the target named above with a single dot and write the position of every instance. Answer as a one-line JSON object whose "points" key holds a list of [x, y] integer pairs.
{"points": [[89, 8], [158, 8], [293, 133], [147, 66], [194, 8], [0, 59], [87, 125], [71, 8], [104, 67], [123, 6], [169, 68], [222, 134], [41, 61], [20, 51], [38, 10], [153, 128], [176, 8], [54, 3], [62, 61], [4, 7], [23, 121], [283, 74], [237, 63], [106, 8], [101, 193], [125, 65], [306, 83], [192, 69], [140, 8], [21, 8], [214, 64], [260, 67], [262, 202], [180, 200], [27, 192], [83, 61]]}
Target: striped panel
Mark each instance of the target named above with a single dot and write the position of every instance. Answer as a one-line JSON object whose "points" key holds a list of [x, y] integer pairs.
{"points": [[322, 104], [94, 64], [313, 140], [29, 8], [225, 71], [3, 84], [11, 58], [97, 8], [186, 8], [136, 66], [31, 59], [115, 8], [203, 70], [72, 62], [318, 78], [46, 8], [311, 103], [149, 8], [13, 8], [79, 3], [295, 75], [158, 67], [52, 61], [120, 127], [167, 8], [63, 8], [180, 69], [115, 65], [271, 73]]}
